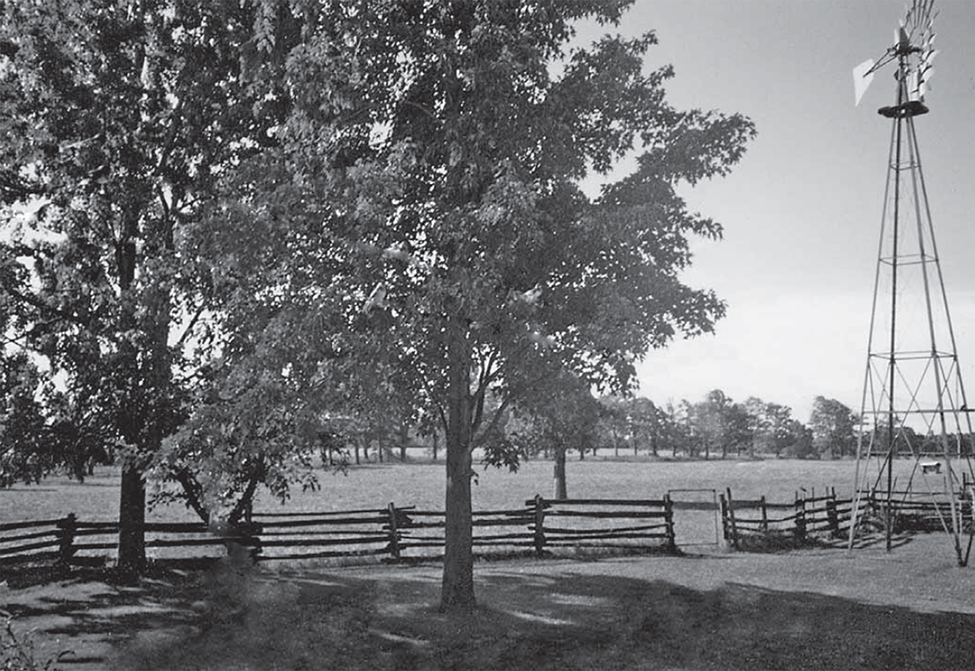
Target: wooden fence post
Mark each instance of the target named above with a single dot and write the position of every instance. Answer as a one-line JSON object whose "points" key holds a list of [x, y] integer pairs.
{"points": [[832, 515], [669, 519], [251, 532], [732, 525], [66, 531], [800, 531], [723, 505], [764, 515], [393, 532], [539, 524]]}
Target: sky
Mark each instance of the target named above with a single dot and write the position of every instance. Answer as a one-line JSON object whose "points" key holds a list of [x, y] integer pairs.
{"points": [[802, 211]]}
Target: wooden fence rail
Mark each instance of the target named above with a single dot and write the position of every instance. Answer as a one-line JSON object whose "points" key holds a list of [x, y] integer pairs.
{"points": [[392, 533]]}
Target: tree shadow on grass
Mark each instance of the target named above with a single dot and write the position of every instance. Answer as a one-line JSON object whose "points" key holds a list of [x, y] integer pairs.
{"points": [[89, 614], [599, 621], [563, 621]]}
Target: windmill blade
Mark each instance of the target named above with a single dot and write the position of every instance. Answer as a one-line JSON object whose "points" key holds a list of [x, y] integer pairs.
{"points": [[926, 66], [919, 21], [914, 87], [862, 76], [924, 86]]}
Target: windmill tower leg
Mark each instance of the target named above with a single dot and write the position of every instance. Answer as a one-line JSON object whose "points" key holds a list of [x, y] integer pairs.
{"points": [[914, 462]]}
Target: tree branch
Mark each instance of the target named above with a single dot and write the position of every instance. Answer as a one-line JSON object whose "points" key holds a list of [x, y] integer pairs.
{"points": [[193, 490], [38, 303], [189, 327]]}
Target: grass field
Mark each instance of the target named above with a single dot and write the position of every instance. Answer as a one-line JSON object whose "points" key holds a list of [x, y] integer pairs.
{"points": [[422, 484]]}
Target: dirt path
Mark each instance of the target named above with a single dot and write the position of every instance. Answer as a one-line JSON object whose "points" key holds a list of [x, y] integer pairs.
{"points": [[814, 609]]}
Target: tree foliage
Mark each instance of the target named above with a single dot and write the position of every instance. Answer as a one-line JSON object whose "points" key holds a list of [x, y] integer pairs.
{"points": [[429, 177], [562, 417], [24, 454], [345, 206], [833, 427], [117, 119]]}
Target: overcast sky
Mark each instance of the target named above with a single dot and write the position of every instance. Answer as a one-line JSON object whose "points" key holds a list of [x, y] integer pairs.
{"points": [[802, 211]]}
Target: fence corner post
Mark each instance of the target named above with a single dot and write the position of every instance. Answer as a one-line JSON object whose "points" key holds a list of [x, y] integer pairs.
{"points": [[669, 519], [539, 524], [393, 532], [66, 533]]}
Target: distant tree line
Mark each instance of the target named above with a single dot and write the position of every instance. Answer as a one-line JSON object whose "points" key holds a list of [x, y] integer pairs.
{"points": [[716, 427]]}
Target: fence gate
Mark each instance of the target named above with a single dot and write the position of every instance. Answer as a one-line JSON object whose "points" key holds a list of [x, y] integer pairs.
{"points": [[697, 517]]}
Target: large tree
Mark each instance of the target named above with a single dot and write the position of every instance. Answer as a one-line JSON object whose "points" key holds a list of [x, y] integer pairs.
{"points": [[116, 118], [439, 148], [560, 417], [24, 452], [833, 426]]}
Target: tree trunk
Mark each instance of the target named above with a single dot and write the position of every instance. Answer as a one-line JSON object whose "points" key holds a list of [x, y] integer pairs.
{"points": [[132, 519], [132, 494], [457, 593], [560, 485]]}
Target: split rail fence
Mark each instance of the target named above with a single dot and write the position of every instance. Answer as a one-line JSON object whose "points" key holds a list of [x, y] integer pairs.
{"points": [[397, 534], [757, 523], [539, 527]]}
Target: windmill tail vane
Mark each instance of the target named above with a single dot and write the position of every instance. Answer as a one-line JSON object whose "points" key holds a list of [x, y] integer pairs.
{"points": [[913, 48]]}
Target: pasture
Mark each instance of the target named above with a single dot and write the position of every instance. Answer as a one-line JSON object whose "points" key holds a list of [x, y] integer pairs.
{"points": [[422, 484]]}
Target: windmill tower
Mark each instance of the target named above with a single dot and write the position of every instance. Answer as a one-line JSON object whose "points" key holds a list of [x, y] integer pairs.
{"points": [[914, 461]]}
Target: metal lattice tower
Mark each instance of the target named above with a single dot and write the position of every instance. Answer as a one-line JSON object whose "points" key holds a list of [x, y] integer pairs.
{"points": [[914, 450]]}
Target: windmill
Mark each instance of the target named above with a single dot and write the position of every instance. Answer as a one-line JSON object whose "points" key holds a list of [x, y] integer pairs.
{"points": [[914, 462]]}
